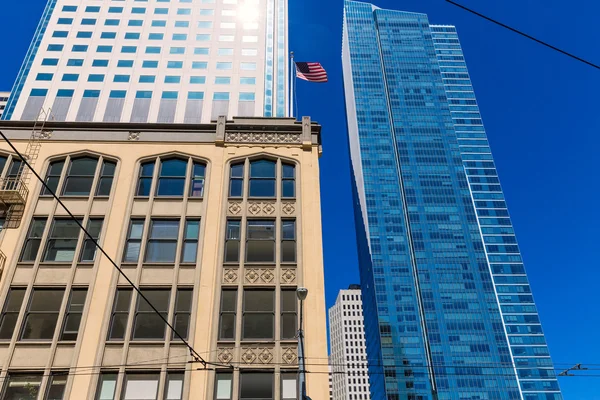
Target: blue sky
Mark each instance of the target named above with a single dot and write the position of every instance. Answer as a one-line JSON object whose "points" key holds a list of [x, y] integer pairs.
{"points": [[541, 115]]}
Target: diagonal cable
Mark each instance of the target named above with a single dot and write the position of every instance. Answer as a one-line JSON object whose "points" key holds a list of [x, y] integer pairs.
{"points": [[193, 352], [566, 53]]}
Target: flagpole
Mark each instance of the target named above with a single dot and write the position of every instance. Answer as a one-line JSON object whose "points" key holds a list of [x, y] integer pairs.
{"points": [[292, 81]]}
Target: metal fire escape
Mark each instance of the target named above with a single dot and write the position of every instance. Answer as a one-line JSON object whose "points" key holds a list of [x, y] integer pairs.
{"points": [[13, 187]]}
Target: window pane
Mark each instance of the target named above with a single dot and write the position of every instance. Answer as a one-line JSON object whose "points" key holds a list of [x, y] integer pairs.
{"points": [[260, 251], [232, 251], [289, 171], [107, 386], [192, 229], [147, 169], [173, 167], [170, 186], [78, 186], [83, 166], [137, 228], [259, 300], [132, 251], [288, 300], [288, 326], [229, 300], [288, 251], [190, 251], [161, 251], [174, 386], [233, 230], [227, 326], [23, 387], [15, 299], [119, 325], [141, 387], [236, 188], [262, 188], [255, 386], [164, 229], [261, 230], [288, 188], [158, 298], [288, 229], [258, 326], [144, 187], [46, 300], [262, 169], [224, 384], [237, 171], [149, 326], [289, 386], [57, 385], [123, 300], [104, 186], [40, 326]]}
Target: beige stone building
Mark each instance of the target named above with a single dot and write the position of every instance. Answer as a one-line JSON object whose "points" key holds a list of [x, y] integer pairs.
{"points": [[217, 224]]}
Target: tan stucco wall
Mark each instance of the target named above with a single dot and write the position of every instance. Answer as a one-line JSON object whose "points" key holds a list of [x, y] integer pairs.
{"points": [[103, 278]]}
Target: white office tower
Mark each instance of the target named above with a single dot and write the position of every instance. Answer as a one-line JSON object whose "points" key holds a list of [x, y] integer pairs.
{"points": [[348, 357], [183, 61], [3, 101]]}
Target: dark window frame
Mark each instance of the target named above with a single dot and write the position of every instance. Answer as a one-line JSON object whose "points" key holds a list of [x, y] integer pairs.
{"points": [[87, 242], [144, 177], [35, 239], [134, 240], [105, 176], [249, 240], [14, 313], [75, 313], [161, 178], [119, 312], [189, 241], [185, 312], [173, 240], [231, 313], [28, 313], [53, 239], [139, 313], [287, 179], [235, 241], [263, 312], [292, 293], [235, 178], [262, 179], [52, 179], [69, 175], [285, 240]]}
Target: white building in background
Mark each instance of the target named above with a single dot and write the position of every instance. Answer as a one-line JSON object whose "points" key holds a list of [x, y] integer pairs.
{"points": [[155, 61], [348, 359], [3, 101]]}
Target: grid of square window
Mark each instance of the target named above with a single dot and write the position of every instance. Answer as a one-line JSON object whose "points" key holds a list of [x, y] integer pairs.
{"points": [[161, 50]]}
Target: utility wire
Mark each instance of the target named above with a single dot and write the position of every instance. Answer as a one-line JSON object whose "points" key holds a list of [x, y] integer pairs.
{"points": [[193, 352], [566, 53]]}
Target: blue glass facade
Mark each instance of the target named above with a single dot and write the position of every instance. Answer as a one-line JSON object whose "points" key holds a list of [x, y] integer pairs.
{"points": [[448, 311]]}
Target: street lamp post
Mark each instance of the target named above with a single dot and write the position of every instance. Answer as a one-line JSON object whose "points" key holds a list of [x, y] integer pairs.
{"points": [[301, 293]]}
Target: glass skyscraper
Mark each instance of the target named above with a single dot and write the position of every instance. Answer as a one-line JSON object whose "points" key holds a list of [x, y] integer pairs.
{"points": [[155, 61], [448, 310]]}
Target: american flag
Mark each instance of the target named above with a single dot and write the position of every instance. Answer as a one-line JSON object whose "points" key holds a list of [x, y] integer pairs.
{"points": [[311, 71]]}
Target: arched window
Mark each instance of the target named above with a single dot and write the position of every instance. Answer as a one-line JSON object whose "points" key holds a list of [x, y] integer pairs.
{"points": [[145, 180], [288, 180], [79, 176], [172, 177], [236, 183], [262, 178]]}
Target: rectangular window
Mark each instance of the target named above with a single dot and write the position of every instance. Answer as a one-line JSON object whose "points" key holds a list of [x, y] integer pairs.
{"points": [[132, 35], [147, 79], [57, 383], [197, 184], [134, 241], [108, 35], [174, 390], [70, 77], [224, 386], [205, 24], [162, 241], [98, 63], [236, 184], [153, 50], [182, 24], [106, 386], [106, 178], [189, 251], [62, 34], [10, 314], [175, 64], [249, 52], [159, 23], [251, 66], [42, 312], [256, 386], [172, 79], [258, 318], [121, 78], [140, 386], [177, 50], [50, 61], [183, 312], [112, 22], [247, 81], [289, 386], [203, 37], [73, 315], [147, 324], [203, 51], [289, 316], [96, 78], [228, 312], [149, 64], [224, 65], [135, 22], [199, 64], [197, 80], [62, 240], [120, 313], [84, 35], [232, 241], [288, 240], [225, 52], [222, 80], [88, 251], [260, 241], [22, 386]]}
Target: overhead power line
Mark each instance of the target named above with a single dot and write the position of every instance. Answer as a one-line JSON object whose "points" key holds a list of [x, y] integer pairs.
{"points": [[193, 352], [566, 53]]}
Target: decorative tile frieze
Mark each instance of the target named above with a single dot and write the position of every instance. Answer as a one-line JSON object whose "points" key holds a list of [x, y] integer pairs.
{"points": [[225, 354], [234, 207], [288, 207], [263, 137], [288, 276], [230, 275], [261, 208], [289, 355], [257, 355], [259, 276]]}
